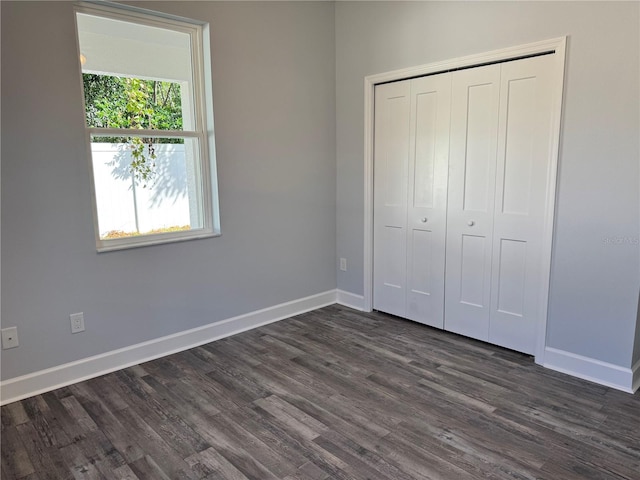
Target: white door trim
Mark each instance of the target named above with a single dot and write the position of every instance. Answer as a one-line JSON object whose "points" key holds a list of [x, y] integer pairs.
{"points": [[557, 45]]}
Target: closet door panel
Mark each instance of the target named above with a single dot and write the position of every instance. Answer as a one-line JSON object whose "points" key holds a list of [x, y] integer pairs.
{"points": [[511, 271], [393, 266], [473, 272], [479, 155], [391, 167], [471, 200], [523, 163], [421, 268], [427, 198]]}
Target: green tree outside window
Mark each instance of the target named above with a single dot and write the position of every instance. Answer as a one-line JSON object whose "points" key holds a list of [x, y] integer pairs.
{"points": [[121, 102]]}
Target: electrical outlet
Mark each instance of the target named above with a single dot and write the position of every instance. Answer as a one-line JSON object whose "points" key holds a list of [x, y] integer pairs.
{"points": [[343, 264], [77, 322], [9, 337]]}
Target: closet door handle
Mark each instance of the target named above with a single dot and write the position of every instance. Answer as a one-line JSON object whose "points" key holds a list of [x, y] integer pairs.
{"points": [[423, 219], [471, 223]]}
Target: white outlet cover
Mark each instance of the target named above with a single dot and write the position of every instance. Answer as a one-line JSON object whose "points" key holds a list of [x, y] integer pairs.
{"points": [[77, 322], [9, 338]]}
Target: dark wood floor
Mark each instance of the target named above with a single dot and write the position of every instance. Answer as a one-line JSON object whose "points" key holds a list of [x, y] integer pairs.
{"points": [[331, 394]]}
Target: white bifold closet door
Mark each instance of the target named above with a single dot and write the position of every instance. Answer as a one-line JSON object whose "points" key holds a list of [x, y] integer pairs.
{"points": [[410, 163], [461, 168], [499, 165], [472, 185]]}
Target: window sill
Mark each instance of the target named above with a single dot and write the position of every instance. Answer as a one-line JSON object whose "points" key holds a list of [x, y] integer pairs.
{"points": [[149, 240]]}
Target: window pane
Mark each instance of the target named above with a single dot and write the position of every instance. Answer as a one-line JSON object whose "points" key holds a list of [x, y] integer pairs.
{"points": [[126, 61], [121, 102], [146, 186]]}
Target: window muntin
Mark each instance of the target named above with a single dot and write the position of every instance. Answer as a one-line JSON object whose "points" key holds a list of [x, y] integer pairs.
{"points": [[146, 117]]}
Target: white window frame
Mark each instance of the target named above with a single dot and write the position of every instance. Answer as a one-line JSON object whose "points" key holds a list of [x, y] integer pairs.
{"points": [[203, 123]]}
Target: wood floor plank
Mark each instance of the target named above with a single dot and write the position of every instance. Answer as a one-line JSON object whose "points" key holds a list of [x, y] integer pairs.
{"points": [[15, 458], [252, 420], [291, 417], [101, 454], [354, 465], [276, 348], [111, 425], [45, 460], [84, 421], [290, 441], [214, 465], [162, 415], [420, 460], [14, 414], [155, 445], [48, 423], [308, 471], [125, 473], [78, 464], [329, 394], [232, 376], [146, 467], [263, 458]]}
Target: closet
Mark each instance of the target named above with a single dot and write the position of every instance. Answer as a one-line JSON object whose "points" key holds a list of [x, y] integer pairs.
{"points": [[461, 170]]}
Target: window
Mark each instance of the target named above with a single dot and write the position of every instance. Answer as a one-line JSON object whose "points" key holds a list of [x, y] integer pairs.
{"points": [[149, 118]]}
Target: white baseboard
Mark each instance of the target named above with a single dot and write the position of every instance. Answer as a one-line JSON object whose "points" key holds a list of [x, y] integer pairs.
{"points": [[14, 389], [349, 299], [596, 371], [62, 375]]}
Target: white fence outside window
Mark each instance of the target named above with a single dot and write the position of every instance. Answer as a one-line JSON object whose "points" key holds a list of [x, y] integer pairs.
{"points": [[124, 206]]}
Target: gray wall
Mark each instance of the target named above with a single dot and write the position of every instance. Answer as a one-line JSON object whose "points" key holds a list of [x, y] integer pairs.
{"points": [[274, 94], [284, 83], [594, 283]]}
